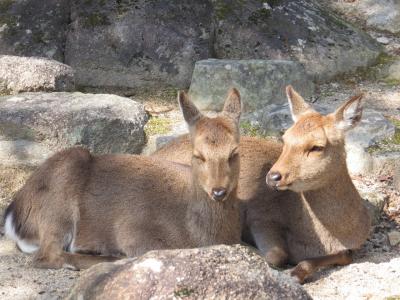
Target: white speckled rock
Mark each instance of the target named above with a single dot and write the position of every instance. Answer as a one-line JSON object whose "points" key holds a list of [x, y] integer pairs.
{"points": [[218, 272], [33, 74], [32, 125]]}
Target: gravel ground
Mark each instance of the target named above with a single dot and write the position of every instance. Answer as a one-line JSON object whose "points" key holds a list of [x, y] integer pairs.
{"points": [[19, 280]]}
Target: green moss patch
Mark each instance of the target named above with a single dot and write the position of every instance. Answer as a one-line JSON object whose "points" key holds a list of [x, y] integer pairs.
{"points": [[392, 81], [222, 10], [96, 19], [385, 58], [388, 144], [247, 129], [183, 293], [260, 16], [5, 5], [157, 125], [374, 72]]}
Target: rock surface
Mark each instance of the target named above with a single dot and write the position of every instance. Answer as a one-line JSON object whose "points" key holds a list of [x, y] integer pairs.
{"points": [[29, 28], [303, 30], [32, 74], [130, 44], [260, 82], [32, 125], [119, 45], [376, 14], [218, 272]]}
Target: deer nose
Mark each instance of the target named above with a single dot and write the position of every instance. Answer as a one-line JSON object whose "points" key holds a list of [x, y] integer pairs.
{"points": [[218, 193], [274, 177]]}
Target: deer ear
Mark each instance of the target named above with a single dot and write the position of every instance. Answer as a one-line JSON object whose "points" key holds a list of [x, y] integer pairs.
{"points": [[233, 105], [298, 105], [190, 112], [349, 114]]}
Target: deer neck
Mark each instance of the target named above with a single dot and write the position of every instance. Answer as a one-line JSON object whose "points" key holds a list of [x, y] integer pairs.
{"points": [[211, 222], [337, 203]]}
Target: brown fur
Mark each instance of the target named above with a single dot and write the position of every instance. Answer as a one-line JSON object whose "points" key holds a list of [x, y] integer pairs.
{"points": [[117, 205], [324, 215]]}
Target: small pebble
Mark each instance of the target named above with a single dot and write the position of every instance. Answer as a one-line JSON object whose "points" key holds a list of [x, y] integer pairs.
{"points": [[394, 237], [383, 40]]}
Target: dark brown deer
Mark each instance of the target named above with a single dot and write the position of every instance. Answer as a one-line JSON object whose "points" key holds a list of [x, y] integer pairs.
{"points": [[320, 215], [77, 204]]}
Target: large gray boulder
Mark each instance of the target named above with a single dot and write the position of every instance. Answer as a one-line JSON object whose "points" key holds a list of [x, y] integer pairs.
{"points": [[218, 272], [34, 27], [373, 128], [260, 82], [286, 29], [32, 74], [143, 44], [375, 14], [33, 125], [131, 44]]}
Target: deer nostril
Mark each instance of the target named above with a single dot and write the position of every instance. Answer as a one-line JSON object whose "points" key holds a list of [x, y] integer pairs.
{"points": [[275, 176], [218, 193]]}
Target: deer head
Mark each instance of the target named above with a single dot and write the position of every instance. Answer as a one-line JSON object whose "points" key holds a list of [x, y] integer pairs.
{"points": [[313, 152], [215, 143]]}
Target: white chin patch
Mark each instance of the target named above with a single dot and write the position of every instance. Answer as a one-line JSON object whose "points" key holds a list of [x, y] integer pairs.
{"points": [[283, 188], [23, 245]]}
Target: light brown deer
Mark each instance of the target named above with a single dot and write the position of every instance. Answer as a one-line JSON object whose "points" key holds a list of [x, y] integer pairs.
{"points": [[319, 216], [77, 204]]}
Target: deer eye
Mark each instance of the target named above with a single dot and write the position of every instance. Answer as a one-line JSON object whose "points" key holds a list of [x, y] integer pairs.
{"points": [[317, 149], [234, 154], [199, 157]]}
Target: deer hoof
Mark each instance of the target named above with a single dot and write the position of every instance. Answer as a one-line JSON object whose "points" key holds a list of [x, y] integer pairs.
{"points": [[276, 257], [47, 264], [303, 270]]}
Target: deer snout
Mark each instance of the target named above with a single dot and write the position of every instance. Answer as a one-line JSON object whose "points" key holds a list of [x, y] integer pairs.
{"points": [[218, 194], [273, 178]]}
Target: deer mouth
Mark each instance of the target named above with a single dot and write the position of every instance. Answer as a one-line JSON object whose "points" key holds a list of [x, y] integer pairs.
{"points": [[218, 198], [279, 186], [282, 187]]}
